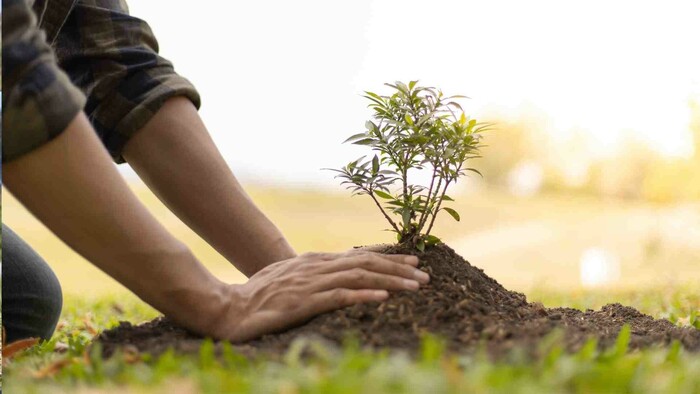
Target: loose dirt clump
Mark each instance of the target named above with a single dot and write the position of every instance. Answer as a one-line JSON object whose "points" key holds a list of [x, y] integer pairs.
{"points": [[460, 304]]}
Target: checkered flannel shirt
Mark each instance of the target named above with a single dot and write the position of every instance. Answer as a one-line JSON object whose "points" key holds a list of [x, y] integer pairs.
{"points": [[64, 56]]}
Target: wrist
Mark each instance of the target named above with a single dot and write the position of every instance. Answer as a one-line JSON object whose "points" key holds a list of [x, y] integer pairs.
{"points": [[276, 249], [186, 292], [224, 313]]}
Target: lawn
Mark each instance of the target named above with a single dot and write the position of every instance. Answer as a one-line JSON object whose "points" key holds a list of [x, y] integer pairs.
{"points": [[65, 365]]}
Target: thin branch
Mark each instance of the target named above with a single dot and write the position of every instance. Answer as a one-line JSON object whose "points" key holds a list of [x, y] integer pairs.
{"points": [[423, 216], [437, 209], [396, 228]]}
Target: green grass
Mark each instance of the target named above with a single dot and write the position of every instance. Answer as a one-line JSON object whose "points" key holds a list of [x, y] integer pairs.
{"points": [[353, 370]]}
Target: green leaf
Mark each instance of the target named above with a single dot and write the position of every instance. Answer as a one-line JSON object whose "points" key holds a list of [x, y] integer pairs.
{"points": [[589, 350], [377, 103], [355, 137], [375, 164], [412, 84], [447, 198], [623, 340], [456, 96], [475, 171], [408, 119], [420, 245], [366, 141], [406, 216], [675, 350], [452, 213], [432, 240], [378, 97], [383, 195], [206, 353], [401, 87]]}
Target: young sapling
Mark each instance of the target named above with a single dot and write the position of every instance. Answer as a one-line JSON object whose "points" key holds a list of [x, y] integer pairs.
{"points": [[413, 129]]}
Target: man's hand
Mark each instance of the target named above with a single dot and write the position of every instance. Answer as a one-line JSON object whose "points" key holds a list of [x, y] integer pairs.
{"points": [[292, 291]]}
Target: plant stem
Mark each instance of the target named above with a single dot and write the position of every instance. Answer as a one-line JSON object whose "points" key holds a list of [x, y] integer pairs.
{"points": [[437, 208], [424, 214], [396, 228], [404, 178]]}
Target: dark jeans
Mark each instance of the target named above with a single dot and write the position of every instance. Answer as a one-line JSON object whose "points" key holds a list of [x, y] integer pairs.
{"points": [[31, 294]]}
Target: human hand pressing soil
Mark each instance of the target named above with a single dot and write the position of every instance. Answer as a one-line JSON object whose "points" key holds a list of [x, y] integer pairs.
{"points": [[292, 291]]}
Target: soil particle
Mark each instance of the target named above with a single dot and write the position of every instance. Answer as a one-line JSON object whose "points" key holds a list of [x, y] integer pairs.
{"points": [[460, 304]]}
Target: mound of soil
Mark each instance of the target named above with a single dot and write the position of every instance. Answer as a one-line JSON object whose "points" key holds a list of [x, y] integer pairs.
{"points": [[460, 304]]}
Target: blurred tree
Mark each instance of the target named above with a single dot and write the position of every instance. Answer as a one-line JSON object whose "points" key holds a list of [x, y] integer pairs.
{"points": [[513, 141], [677, 179]]}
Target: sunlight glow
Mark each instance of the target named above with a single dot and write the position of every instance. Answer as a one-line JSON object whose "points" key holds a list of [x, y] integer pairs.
{"points": [[293, 72], [598, 267]]}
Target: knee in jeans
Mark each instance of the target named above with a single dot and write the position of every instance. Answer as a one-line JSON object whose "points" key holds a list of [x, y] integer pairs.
{"points": [[51, 303]]}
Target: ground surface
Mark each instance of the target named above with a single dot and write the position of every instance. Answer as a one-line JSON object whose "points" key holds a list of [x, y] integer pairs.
{"points": [[461, 304], [62, 366]]}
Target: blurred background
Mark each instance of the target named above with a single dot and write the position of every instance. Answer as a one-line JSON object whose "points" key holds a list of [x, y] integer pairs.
{"points": [[591, 177]]}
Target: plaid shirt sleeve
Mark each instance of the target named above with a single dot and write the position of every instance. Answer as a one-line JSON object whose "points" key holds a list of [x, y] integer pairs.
{"points": [[113, 58], [38, 100]]}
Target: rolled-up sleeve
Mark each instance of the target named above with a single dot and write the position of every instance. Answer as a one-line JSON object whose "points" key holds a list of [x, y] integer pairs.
{"points": [[38, 100], [113, 58]]}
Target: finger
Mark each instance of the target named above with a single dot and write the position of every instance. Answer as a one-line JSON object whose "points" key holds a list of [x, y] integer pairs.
{"points": [[358, 278], [331, 300], [398, 258], [375, 263]]}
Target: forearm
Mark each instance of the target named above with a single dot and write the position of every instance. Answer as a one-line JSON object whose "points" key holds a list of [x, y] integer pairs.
{"points": [[71, 185], [177, 158]]}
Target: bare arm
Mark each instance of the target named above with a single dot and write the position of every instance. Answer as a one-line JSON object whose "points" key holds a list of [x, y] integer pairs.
{"points": [[71, 185], [177, 158]]}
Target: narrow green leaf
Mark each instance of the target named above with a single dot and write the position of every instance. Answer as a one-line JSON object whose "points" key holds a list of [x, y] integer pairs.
{"points": [[476, 171], [408, 119], [355, 137], [623, 340], [452, 213], [366, 141], [456, 96], [375, 164], [383, 195], [378, 97], [447, 198], [406, 216], [378, 103]]}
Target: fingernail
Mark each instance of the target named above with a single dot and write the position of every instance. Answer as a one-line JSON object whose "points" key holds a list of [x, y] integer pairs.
{"points": [[421, 276], [411, 284], [411, 260]]}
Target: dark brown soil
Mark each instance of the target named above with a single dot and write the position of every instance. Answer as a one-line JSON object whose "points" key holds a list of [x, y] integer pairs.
{"points": [[460, 304]]}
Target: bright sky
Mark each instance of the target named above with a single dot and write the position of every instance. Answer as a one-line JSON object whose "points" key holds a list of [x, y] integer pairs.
{"points": [[281, 81]]}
